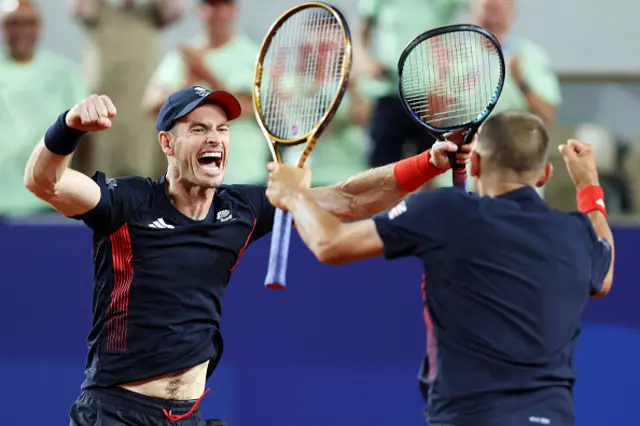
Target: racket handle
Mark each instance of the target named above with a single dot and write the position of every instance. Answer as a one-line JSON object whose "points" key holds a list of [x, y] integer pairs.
{"points": [[459, 172], [460, 179], [279, 252]]}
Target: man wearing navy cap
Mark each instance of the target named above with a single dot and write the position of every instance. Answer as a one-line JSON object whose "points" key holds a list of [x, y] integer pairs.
{"points": [[164, 252]]}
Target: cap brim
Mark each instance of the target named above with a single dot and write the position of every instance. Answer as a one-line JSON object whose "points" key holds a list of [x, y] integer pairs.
{"points": [[225, 100]]}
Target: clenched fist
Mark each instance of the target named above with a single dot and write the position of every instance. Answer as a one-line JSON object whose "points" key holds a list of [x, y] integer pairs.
{"points": [[581, 163], [92, 115]]}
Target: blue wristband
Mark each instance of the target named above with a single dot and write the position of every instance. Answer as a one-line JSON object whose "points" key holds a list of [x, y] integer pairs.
{"points": [[62, 139]]}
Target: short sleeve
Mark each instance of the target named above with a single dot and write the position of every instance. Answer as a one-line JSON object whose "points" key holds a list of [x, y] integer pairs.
{"points": [[264, 210], [600, 251], [540, 75], [119, 200], [417, 225], [171, 72]]}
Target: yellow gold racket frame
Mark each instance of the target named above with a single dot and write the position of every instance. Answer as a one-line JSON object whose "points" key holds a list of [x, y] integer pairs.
{"points": [[311, 137]]}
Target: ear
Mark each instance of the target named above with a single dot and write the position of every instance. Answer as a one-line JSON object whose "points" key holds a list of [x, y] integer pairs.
{"points": [[167, 143], [475, 164], [545, 175]]}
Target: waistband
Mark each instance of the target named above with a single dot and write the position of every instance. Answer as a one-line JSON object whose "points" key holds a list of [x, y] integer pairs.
{"points": [[151, 406]]}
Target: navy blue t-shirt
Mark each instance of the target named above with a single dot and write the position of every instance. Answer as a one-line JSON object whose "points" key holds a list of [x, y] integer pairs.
{"points": [[506, 281], [160, 276]]}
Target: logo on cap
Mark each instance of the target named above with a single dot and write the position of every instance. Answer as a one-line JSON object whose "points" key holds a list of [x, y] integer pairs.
{"points": [[201, 91]]}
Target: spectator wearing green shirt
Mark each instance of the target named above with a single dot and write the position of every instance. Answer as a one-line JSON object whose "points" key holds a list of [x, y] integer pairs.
{"points": [[220, 59], [35, 85], [531, 84], [396, 23], [340, 152]]}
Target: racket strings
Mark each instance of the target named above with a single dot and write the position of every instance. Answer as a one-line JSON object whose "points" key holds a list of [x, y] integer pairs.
{"points": [[450, 79], [302, 72]]}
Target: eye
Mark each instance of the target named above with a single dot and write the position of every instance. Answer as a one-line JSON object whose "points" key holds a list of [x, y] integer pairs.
{"points": [[198, 130], [223, 128]]}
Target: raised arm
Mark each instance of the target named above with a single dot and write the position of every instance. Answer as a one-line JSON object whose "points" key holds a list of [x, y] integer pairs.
{"points": [[580, 160], [379, 189], [47, 175]]}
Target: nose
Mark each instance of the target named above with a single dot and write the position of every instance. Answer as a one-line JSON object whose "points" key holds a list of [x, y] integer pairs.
{"points": [[214, 138]]}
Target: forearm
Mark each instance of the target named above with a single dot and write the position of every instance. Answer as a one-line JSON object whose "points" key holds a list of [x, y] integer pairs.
{"points": [[537, 105], [316, 227], [361, 196], [590, 200], [377, 189], [603, 230], [213, 81], [44, 171], [366, 30]]}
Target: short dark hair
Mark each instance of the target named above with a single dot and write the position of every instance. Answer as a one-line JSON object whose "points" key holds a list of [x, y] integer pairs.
{"points": [[514, 141]]}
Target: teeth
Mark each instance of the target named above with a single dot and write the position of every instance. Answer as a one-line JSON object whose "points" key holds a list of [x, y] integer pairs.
{"points": [[211, 155]]}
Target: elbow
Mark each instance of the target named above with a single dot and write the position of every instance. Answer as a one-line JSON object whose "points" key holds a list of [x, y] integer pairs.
{"points": [[38, 186], [606, 287], [328, 252]]}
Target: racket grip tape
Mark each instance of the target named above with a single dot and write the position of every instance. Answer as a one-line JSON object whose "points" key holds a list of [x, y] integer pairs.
{"points": [[279, 252], [460, 179]]}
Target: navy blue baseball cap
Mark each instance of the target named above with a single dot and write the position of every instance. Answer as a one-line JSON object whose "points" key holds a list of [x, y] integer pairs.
{"points": [[186, 100]]}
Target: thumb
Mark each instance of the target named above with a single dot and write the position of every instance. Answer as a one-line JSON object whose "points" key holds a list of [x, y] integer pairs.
{"points": [[104, 122], [450, 146], [568, 151]]}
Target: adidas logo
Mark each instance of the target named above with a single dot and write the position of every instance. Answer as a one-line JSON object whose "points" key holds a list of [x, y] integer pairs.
{"points": [[160, 224]]}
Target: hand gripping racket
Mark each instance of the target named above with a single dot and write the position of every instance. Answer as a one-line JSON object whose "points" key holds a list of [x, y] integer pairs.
{"points": [[451, 79], [301, 76]]}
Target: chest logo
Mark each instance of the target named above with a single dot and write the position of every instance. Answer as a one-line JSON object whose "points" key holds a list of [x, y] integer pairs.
{"points": [[224, 215], [160, 224]]}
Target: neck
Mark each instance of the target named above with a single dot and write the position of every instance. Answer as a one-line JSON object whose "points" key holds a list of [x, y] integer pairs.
{"points": [[496, 185], [192, 201], [219, 38]]}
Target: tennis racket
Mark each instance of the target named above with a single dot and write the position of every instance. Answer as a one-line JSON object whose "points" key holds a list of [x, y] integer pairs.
{"points": [[301, 76], [451, 79]]}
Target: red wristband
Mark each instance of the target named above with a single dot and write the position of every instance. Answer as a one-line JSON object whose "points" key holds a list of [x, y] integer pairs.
{"points": [[591, 198], [413, 172]]}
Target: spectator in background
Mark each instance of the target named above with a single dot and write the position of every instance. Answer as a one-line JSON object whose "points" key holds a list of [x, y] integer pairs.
{"points": [[120, 58], [531, 84], [220, 59], [35, 85], [396, 23], [340, 152]]}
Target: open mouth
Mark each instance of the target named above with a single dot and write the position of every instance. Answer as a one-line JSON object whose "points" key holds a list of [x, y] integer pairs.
{"points": [[210, 160]]}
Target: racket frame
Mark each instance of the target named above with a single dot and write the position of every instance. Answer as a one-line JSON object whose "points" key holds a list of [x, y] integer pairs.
{"points": [[459, 171], [311, 137], [282, 223]]}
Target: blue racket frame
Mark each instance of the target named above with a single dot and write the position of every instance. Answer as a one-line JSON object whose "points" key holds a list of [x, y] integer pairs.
{"points": [[459, 171]]}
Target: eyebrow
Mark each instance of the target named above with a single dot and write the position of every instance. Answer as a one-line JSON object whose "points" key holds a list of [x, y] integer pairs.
{"points": [[206, 125]]}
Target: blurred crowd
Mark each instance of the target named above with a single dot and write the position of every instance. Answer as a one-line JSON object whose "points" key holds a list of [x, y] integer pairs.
{"points": [[122, 60]]}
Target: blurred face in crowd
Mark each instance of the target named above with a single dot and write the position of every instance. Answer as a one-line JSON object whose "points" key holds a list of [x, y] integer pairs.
{"points": [[21, 25], [218, 16], [494, 15], [198, 146]]}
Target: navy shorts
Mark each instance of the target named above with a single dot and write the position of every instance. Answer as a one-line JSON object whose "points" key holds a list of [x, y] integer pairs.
{"points": [[120, 407]]}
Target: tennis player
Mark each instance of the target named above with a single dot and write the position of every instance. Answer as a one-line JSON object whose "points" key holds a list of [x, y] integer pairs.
{"points": [[164, 252], [507, 277]]}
